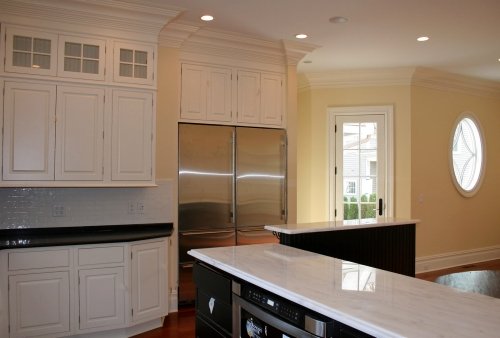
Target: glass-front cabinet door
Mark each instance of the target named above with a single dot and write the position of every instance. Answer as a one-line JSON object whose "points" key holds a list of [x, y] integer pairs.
{"points": [[32, 52], [133, 63], [81, 58]]}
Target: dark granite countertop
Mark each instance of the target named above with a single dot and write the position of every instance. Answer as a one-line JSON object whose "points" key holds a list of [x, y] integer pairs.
{"points": [[38, 237]]}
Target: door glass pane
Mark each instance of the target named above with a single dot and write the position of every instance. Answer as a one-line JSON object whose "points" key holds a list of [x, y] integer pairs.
{"points": [[141, 57], [126, 55], [72, 49], [21, 59], [359, 170], [41, 61], [22, 43], [41, 46], [91, 52]]}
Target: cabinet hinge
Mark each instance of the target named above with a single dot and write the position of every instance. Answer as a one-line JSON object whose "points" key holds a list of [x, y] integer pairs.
{"points": [[335, 213], [132, 311], [335, 128], [335, 170], [131, 255]]}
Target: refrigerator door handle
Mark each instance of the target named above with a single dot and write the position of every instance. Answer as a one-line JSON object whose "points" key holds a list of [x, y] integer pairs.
{"points": [[233, 179], [284, 197], [208, 232]]}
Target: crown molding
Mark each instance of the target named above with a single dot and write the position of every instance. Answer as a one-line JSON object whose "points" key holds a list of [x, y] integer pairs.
{"points": [[296, 50], [356, 78], [231, 46], [176, 33], [129, 18], [436, 79]]}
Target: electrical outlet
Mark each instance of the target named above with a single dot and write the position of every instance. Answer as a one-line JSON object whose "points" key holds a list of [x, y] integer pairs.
{"points": [[139, 207], [58, 211], [131, 208]]}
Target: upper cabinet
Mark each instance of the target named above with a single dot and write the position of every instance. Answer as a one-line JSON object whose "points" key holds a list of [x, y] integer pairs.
{"points": [[133, 63], [206, 93], [30, 51], [78, 109], [81, 58], [260, 98], [210, 94]]}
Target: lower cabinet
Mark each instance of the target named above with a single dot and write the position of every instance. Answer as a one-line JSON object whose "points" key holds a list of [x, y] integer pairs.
{"points": [[102, 297], [76, 290], [39, 304], [148, 281]]}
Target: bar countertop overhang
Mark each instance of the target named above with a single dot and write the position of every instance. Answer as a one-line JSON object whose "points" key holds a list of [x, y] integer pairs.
{"points": [[301, 228]]}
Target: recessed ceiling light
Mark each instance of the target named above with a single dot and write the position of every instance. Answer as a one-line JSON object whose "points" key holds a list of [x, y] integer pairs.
{"points": [[207, 17], [338, 19], [422, 38], [301, 36]]}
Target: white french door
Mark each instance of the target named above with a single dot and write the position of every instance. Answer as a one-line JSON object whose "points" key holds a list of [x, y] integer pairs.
{"points": [[360, 161]]}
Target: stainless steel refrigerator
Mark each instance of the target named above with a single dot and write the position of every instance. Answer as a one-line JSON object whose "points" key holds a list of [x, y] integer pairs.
{"points": [[232, 181]]}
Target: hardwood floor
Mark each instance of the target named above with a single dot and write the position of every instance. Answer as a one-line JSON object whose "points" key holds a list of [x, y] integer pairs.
{"points": [[181, 324]]}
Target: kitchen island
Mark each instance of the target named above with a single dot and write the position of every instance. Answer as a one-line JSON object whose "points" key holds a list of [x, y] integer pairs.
{"points": [[373, 301], [384, 243]]}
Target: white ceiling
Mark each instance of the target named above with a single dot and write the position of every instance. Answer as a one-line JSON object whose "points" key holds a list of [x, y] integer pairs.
{"points": [[464, 34]]}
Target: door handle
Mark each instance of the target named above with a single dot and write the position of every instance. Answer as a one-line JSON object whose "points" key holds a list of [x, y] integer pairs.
{"points": [[380, 207]]}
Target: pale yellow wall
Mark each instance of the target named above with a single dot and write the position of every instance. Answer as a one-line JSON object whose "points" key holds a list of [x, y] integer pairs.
{"points": [[312, 156], [449, 221], [167, 111]]}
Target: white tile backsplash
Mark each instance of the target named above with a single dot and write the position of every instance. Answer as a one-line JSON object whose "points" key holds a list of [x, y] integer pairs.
{"points": [[62, 207]]}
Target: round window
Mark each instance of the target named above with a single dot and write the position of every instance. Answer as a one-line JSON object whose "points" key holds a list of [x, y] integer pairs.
{"points": [[467, 155]]}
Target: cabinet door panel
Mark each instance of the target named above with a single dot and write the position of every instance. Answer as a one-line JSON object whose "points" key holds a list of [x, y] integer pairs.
{"points": [[219, 95], [29, 136], [271, 99], [81, 58], [193, 92], [132, 138], [148, 281], [79, 147], [248, 97], [39, 304], [102, 297], [30, 51]]}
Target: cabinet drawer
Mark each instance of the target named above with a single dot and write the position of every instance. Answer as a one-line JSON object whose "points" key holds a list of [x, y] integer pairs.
{"points": [[38, 259], [106, 255], [212, 283]]}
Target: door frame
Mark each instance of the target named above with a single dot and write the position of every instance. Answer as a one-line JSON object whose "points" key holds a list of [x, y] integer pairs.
{"points": [[387, 112]]}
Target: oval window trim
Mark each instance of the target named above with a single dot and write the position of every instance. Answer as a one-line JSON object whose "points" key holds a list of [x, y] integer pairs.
{"points": [[468, 121]]}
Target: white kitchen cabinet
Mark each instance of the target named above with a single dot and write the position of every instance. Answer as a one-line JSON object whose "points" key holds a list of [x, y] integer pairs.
{"points": [[132, 136], [260, 97], [39, 304], [206, 93], [81, 58], [133, 63], [29, 131], [31, 149], [30, 51], [148, 281], [102, 297], [79, 130]]}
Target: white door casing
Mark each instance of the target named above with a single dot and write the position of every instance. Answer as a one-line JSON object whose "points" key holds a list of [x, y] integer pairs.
{"points": [[379, 118]]}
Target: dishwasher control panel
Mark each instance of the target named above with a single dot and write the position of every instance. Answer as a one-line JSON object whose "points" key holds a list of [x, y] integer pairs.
{"points": [[275, 304]]}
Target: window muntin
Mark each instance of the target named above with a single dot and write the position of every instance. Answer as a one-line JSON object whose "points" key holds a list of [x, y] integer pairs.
{"points": [[467, 155]]}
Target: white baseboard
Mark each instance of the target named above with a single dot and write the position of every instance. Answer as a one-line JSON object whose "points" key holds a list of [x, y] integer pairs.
{"points": [[453, 259], [173, 301]]}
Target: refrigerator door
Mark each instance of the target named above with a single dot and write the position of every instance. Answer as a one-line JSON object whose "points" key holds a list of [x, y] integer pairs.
{"points": [[260, 176], [254, 235], [205, 177], [196, 240]]}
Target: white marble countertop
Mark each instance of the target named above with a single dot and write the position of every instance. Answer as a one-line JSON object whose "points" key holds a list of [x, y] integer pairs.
{"points": [[378, 302], [301, 228]]}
